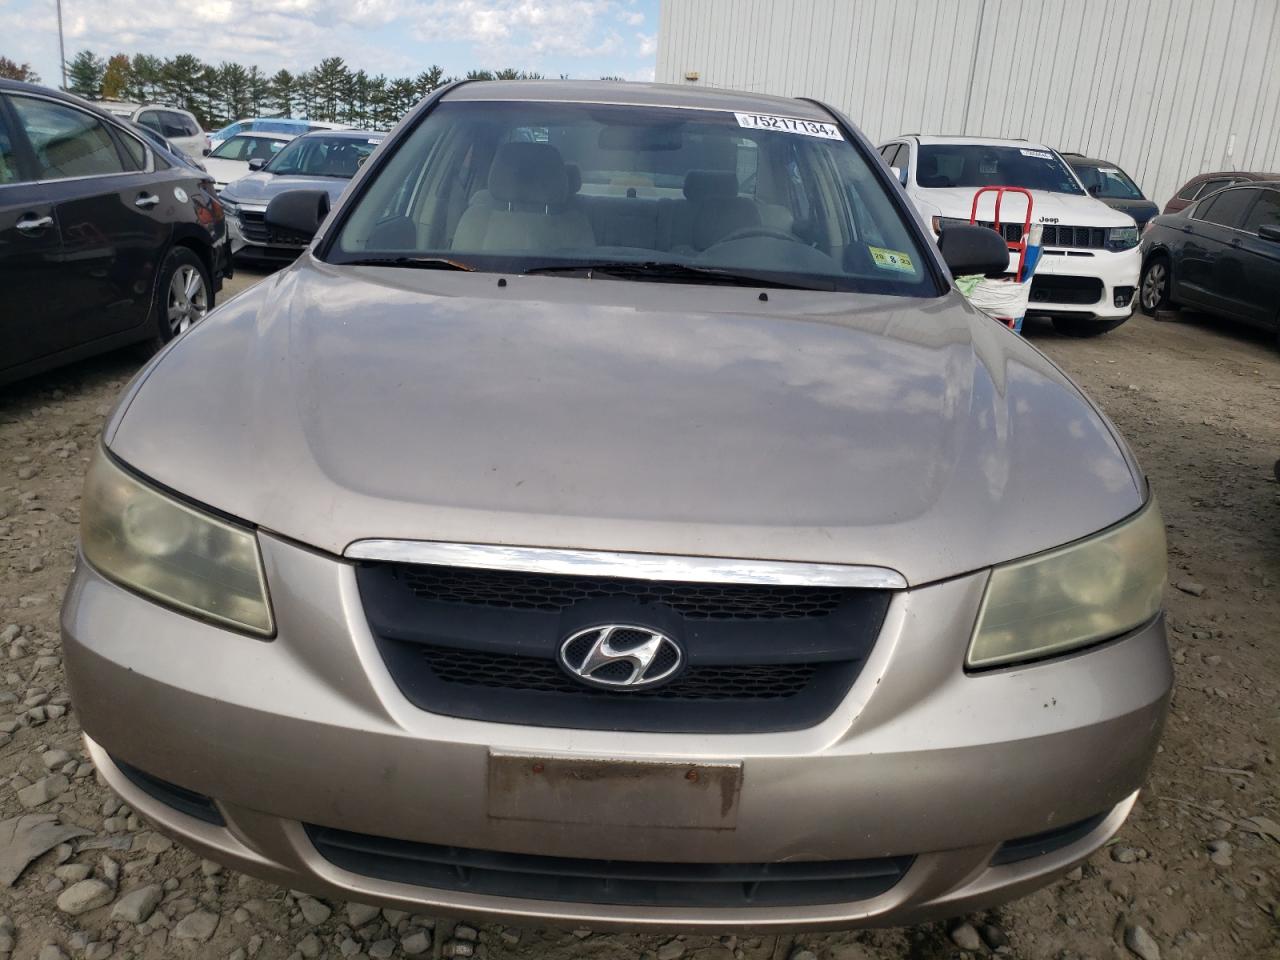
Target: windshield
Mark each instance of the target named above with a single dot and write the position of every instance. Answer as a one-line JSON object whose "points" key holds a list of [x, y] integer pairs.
{"points": [[321, 156], [1109, 182], [686, 194], [248, 148], [978, 165]]}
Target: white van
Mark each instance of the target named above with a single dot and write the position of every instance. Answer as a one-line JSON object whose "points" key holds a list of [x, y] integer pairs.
{"points": [[1088, 273]]}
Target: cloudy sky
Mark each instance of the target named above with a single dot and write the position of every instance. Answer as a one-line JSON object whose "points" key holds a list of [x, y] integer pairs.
{"points": [[583, 38]]}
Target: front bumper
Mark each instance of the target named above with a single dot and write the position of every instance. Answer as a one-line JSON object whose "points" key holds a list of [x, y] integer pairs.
{"points": [[252, 243], [919, 760], [1090, 281]]}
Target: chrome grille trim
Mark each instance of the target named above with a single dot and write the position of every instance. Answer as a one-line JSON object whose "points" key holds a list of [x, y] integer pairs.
{"points": [[637, 566]]}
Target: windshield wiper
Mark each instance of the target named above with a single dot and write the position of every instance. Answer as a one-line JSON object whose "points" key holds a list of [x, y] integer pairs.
{"points": [[421, 263], [664, 272]]}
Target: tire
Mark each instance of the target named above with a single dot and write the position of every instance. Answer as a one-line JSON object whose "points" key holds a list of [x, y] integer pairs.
{"points": [[184, 294], [1153, 286], [1077, 327]]}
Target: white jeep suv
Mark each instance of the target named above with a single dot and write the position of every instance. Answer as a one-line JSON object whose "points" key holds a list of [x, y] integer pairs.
{"points": [[1088, 272]]}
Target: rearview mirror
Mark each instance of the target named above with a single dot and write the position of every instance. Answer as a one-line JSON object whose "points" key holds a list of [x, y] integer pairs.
{"points": [[969, 249], [1269, 231], [257, 163], [299, 212]]}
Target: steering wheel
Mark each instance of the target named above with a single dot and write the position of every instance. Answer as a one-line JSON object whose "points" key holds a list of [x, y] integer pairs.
{"points": [[748, 233]]}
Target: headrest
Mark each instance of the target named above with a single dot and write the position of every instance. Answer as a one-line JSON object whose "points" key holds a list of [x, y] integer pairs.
{"points": [[528, 173], [574, 173], [710, 184]]}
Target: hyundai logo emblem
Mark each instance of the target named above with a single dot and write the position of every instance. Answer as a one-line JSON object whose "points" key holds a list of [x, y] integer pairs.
{"points": [[621, 656]]}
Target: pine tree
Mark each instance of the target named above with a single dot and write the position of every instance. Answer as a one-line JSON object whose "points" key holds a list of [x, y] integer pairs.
{"points": [[429, 80], [282, 93], [306, 90], [402, 94], [84, 75], [331, 83], [233, 85], [180, 81], [144, 77], [206, 96], [259, 90]]}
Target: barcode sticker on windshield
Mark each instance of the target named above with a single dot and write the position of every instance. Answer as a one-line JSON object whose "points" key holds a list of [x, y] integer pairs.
{"points": [[1038, 154], [891, 260], [807, 128], [375, 142], [1108, 170]]}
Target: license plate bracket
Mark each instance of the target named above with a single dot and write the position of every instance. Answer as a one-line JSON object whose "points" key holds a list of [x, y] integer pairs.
{"points": [[614, 792]]}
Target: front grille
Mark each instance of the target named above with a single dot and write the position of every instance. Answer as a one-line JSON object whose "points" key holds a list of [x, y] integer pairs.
{"points": [[510, 590], [612, 882], [253, 227], [1056, 235], [1051, 288], [478, 668], [485, 645]]}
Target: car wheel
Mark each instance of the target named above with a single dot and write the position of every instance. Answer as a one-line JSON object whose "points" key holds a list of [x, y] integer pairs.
{"points": [[1076, 327], [184, 294], [1153, 288]]}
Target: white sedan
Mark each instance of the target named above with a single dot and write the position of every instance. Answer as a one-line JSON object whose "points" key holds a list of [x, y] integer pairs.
{"points": [[231, 160]]}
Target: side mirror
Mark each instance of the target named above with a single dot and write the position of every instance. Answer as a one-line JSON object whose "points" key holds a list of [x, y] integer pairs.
{"points": [[1093, 190], [967, 249], [299, 212], [1270, 231], [257, 163]]}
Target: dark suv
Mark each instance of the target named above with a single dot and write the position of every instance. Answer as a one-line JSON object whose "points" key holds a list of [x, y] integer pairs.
{"points": [[1106, 181], [104, 241]]}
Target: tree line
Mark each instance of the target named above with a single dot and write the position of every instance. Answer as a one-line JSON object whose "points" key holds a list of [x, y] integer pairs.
{"points": [[219, 94]]}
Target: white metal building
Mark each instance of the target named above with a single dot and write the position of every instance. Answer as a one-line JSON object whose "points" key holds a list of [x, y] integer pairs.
{"points": [[1165, 88]]}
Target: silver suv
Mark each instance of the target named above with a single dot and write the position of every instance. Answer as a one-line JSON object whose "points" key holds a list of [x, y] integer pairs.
{"points": [[615, 518]]}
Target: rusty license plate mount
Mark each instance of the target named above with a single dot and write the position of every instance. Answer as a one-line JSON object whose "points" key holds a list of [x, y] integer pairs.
{"points": [[614, 792]]}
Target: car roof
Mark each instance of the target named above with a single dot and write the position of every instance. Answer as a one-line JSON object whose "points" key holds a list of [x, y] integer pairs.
{"points": [[342, 134], [1242, 174], [165, 106], [635, 94], [927, 139]]}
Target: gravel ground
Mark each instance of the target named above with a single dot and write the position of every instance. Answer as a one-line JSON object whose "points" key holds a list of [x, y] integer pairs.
{"points": [[1193, 874]]}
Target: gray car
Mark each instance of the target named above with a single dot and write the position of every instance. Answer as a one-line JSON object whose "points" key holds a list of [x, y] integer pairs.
{"points": [[325, 160], [616, 518]]}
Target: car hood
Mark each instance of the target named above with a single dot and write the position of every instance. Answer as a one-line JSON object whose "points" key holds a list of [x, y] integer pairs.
{"points": [[260, 186], [224, 171], [1046, 207], [1140, 210], [333, 404]]}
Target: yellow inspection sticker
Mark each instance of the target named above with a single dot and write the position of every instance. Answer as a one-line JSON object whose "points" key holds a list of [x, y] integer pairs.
{"points": [[891, 260]]}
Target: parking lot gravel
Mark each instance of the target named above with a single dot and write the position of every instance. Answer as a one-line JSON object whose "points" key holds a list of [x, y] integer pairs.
{"points": [[1195, 873]]}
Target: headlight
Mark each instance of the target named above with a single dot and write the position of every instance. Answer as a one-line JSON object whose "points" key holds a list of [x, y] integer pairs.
{"points": [[1122, 238], [170, 552], [1090, 591], [231, 209]]}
